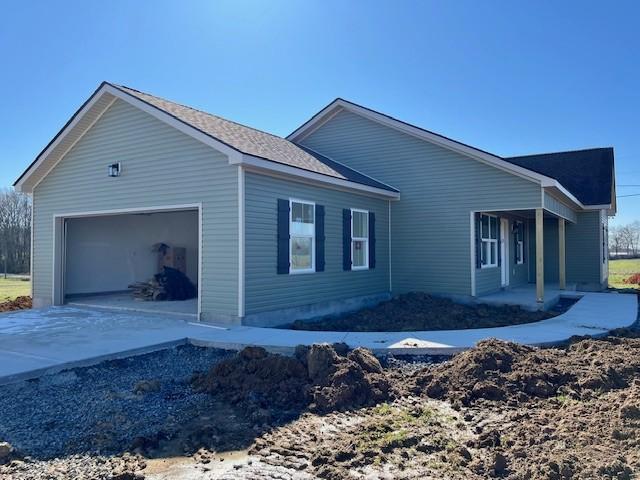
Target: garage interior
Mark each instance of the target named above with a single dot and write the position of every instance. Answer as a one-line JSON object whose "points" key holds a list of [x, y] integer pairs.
{"points": [[135, 261]]}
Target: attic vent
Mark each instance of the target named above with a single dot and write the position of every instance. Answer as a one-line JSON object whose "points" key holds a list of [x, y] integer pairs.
{"points": [[114, 169]]}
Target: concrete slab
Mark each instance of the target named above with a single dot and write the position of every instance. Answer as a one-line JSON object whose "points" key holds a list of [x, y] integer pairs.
{"points": [[125, 301], [525, 296], [33, 342]]}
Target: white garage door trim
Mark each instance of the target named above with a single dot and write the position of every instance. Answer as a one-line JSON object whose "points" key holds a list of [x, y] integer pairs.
{"points": [[59, 242]]}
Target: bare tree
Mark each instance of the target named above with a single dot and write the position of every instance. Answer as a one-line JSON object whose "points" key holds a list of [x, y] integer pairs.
{"points": [[615, 240], [15, 231]]}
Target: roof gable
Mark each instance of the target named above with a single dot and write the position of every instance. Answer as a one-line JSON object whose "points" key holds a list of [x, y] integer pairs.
{"points": [[235, 140], [599, 179]]}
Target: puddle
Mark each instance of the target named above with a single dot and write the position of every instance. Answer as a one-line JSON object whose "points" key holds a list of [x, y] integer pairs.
{"points": [[181, 468]]}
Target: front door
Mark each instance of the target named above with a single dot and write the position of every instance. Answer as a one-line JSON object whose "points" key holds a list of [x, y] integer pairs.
{"points": [[504, 252]]}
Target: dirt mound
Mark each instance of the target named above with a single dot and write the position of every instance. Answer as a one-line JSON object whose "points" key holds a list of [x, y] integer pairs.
{"points": [[507, 372], [420, 311], [19, 303], [633, 279], [316, 378]]}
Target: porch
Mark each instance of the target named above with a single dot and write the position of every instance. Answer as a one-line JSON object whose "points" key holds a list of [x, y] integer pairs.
{"points": [[525, 296], [520, 257]]}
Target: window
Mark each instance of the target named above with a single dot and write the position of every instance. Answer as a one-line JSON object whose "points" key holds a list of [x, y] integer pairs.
{"points": [[519, 240], [302, 236], [359, 239], [489, 237]]}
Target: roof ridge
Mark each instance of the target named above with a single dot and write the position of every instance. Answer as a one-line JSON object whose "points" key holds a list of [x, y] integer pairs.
{"points": [[207, 113], [578, 150]]}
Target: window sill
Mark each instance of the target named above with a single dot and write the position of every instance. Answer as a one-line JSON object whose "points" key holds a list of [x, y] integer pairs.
{"points": [[356, 269], [486, 267], [300, 272]]}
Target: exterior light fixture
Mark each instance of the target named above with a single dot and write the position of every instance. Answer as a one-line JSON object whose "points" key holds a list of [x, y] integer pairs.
{"points": [[114, 169]]}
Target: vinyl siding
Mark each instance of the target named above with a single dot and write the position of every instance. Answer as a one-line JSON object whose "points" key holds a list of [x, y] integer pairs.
{"points": [[439, 189], [265, 290], [584, 250], [161, 166], [554, 205]]}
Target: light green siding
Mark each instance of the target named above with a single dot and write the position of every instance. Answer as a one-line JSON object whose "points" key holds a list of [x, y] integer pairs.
{"points": [[584, 250], [431, 236], [554, 205], [265, 290], [161, 167]]}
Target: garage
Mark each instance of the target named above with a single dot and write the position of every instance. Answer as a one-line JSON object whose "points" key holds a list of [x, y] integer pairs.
{"points": [[144, 260]]}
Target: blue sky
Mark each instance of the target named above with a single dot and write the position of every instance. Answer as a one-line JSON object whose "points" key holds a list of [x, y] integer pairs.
{"points": [[509, 77]]}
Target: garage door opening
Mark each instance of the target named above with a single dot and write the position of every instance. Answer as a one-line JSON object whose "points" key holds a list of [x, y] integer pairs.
{"points": [[142, 261]]}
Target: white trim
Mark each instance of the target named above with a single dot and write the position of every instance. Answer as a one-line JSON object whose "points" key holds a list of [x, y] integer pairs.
{"points": [[504, 252], [121, 211], [241, 238], [360, 239], [56, 142], [136, 102], [472, 238], [165, 117], [338, 105], [33, 213], [389, 222], [262, 166], [199, 261], [311, 125], [490, 240], [73, 144], [312, 269]]}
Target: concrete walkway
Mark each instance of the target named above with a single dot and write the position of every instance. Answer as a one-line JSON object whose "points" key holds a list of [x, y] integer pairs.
{"points": [[33, 342]]}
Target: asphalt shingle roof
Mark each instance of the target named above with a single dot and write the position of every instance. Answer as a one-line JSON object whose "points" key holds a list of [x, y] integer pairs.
{"points": [[588, 174], [256, 142]]}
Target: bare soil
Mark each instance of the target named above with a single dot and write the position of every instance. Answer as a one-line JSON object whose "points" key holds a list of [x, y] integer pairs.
{"points": [[19, 303], [499, 410], [420, 311]]}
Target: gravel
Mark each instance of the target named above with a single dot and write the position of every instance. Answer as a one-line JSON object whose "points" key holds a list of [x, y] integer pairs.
{"points": [[94, 410]]}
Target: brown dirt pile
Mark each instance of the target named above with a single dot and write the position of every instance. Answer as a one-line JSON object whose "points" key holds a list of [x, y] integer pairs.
{"points": [[316, 378], [420, 311], [19, 303], [512, 373]]}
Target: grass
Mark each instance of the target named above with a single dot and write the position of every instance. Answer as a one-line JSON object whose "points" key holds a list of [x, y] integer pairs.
{"points": [[619, 270], [13, 287]]}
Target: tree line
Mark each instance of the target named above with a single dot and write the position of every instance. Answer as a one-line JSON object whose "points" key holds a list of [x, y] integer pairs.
{"points": [[15, 232], [625, 240]]}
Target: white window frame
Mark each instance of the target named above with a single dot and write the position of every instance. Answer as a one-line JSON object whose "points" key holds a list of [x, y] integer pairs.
{"points": [[493, 242], [293, 271], [360, 239], [519, 243]]}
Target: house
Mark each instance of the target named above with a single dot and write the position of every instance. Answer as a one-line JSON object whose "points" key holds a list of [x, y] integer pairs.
{"points": [[352, 207]]}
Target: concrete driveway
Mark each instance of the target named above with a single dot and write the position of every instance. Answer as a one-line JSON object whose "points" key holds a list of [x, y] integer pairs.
{"points": [[36, 341]]}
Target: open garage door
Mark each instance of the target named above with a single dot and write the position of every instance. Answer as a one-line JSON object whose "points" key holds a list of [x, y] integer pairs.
{"points": [[146, 260]]}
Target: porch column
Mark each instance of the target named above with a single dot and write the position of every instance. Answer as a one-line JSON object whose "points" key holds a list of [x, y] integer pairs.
{"points": [[561, 254], [539, 255]]}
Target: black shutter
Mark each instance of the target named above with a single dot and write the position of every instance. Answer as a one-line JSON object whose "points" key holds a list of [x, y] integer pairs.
{"points": [[346, 239], [478, 243], [499, 242], [283, 236], [525, 241], [319, 238], [516, 233], [372, 240]]}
